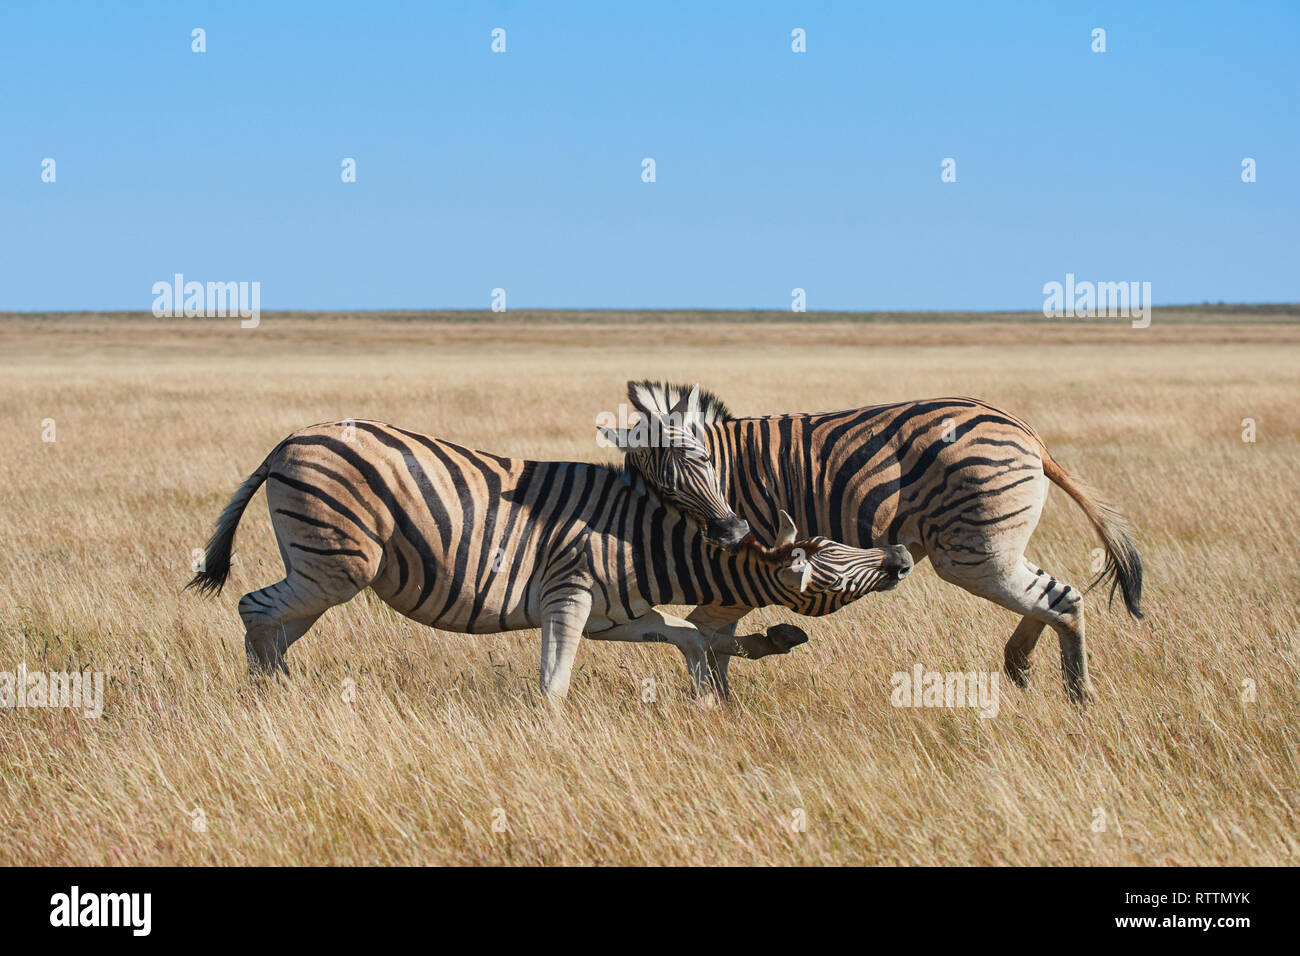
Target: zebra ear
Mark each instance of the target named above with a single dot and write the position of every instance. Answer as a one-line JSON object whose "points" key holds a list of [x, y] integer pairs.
{"points": [[693, 412], [642, 395], [688, 406], [796, 577], [786, 534]]}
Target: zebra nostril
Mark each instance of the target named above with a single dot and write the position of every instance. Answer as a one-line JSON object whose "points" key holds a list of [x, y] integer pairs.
{"points": [[902, 563]]}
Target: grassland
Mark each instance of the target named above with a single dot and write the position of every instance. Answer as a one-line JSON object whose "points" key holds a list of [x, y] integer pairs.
{"points": [[157, 421]]}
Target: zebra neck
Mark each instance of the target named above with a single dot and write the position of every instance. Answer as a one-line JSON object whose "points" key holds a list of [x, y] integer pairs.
{"points": [[755, 583], [700, 572], [762, 467]]}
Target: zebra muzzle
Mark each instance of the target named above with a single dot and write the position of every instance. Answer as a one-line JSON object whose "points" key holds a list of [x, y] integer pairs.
{"points": [[900, 563], [728, 532]]}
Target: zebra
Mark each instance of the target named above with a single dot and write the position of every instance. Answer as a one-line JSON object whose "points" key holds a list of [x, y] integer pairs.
{"points": [[470, 542], [952, 479]]}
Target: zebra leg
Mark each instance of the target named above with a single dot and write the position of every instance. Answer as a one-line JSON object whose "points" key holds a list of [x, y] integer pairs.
{"points": [[717, 665], [274, 618], [707, 653], [564, 615], [657, 627], [1042, 600], [718, 625], [324, 566], [1015, 656]]}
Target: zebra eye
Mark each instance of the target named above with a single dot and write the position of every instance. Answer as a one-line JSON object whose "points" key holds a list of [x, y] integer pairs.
{"points": [[841, 584]]}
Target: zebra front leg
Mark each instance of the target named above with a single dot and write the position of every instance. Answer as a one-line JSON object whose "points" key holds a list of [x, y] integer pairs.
{"points": [[564, 615], [717, 665], [779, 639]]}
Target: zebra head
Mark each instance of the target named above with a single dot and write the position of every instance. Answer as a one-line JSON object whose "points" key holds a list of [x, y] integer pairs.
{"points": [[821, 575], [665, 449]]}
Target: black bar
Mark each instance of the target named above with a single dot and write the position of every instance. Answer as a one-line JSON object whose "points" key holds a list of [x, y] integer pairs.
{"points": [[325, 905]]}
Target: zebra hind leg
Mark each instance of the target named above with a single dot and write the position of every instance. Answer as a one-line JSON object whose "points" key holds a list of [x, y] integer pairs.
{"points": [[1042, 601], [718, 626], [656, 627], [274, 618], [1015, 656]]}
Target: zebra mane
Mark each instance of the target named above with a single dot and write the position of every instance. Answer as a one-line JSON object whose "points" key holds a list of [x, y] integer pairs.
{"points": [[647, 396], [782, 554], [625, 470]]}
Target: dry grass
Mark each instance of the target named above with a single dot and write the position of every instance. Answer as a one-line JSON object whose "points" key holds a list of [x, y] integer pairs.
{"points": [[157, 422]]}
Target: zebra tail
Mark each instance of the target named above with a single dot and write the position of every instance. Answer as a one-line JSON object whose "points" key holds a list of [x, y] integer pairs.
{"points": [[216, 559], [1123, 568]]}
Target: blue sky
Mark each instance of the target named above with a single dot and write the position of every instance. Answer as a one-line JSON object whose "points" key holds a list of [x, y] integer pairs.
{"points": [[522, 170]]}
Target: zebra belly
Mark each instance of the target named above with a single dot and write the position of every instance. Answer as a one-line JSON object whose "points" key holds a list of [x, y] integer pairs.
{"points": [[437, 597], [611, 613]]}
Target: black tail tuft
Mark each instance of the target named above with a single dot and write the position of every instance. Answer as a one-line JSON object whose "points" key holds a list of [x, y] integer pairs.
{"points": [[1123, 571], [211, 577]]}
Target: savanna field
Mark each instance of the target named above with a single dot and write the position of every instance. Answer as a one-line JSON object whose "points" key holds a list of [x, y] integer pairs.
{"points": [[393, 744]]}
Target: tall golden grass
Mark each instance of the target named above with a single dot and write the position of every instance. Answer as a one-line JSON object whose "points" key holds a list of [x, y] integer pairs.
{"points": [[443, 736]]}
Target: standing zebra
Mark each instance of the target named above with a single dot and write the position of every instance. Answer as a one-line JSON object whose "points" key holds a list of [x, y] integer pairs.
{"points": [[466, 541], [952, 479]]}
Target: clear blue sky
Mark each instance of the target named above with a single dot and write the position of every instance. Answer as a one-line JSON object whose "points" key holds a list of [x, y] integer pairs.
{"points": [[523, 170]]}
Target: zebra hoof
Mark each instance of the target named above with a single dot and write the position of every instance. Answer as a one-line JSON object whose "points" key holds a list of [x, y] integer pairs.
{"points": [[1080, 694], [1018, 673], [786, 637]]}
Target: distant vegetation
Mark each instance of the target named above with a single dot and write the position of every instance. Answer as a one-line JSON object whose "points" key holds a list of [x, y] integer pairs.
{"points": [[1264, 314]]}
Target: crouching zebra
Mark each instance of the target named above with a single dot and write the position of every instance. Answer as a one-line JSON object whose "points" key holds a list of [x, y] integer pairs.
{"points": [[466, 541], [952, 479]]}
